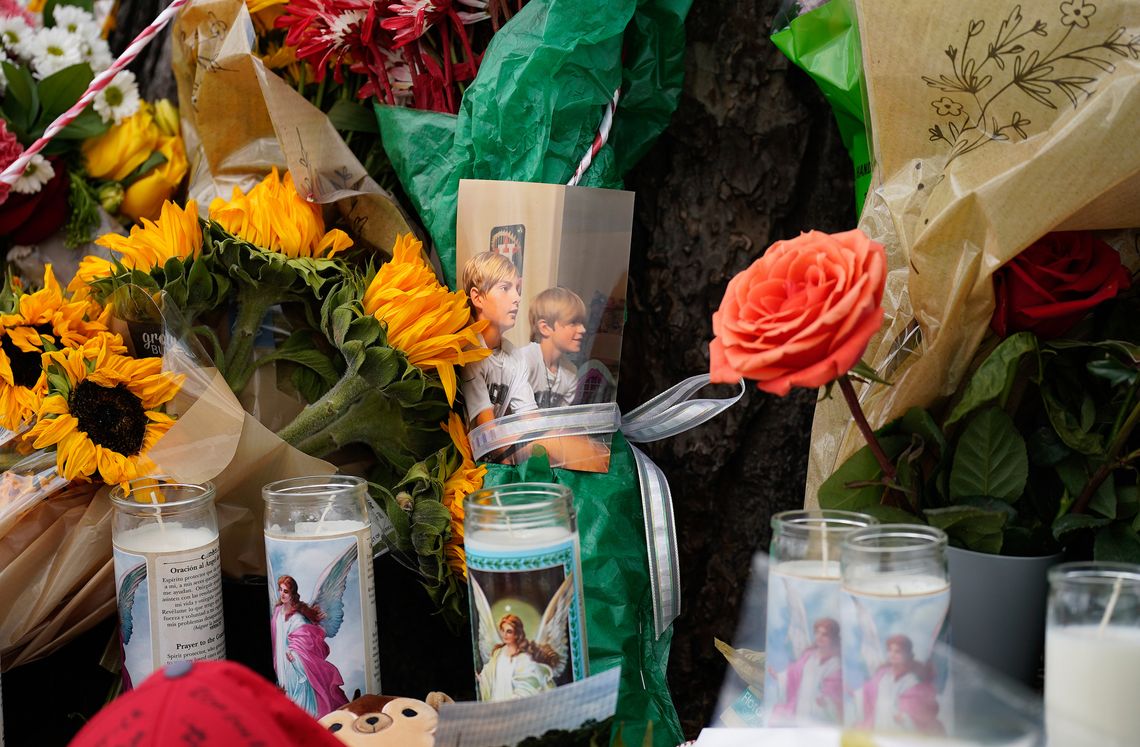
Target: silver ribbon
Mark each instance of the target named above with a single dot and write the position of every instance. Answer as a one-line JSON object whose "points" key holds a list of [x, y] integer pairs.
{"points": [[669, 413]]}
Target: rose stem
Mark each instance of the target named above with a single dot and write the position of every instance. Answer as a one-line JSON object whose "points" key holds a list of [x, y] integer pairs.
{"points": [[865, 428], [1110, 463]]}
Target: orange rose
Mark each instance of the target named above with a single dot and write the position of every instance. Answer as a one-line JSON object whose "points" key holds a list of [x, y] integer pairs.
{"points": [[802, 314]]}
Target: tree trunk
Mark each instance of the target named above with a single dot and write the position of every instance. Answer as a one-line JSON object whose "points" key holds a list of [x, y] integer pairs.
{"points": [[752, 156]]}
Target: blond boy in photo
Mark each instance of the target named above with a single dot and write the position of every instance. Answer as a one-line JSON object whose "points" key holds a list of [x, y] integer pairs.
{"points": [[557, 327], [497, 385]]}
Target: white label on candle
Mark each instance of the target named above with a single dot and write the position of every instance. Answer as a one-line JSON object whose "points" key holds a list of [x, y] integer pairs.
{"points": [[528, 621], [169, 584], [323, 602], [803, 684], [895, 676], [1091, 681]]}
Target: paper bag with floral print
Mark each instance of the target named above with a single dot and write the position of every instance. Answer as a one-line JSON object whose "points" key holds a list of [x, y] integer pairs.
{"points": [[992, 124]]}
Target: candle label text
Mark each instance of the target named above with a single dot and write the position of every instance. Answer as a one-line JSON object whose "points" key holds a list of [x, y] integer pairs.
{"points": [[527, 619], [170, 608], [803, 683], [322, 600], [896, 674]]}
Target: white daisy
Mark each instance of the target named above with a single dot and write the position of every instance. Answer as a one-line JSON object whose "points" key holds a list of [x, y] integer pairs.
{"points": [[38, 173], [52, 50], [76, 20], [3, 80], [97, 54], [120, 99], [15, 34]]}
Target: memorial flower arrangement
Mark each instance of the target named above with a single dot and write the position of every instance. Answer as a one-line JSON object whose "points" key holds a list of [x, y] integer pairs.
{"points": [[122, 154], [68, 383], [1037, 448], [370, 352]]}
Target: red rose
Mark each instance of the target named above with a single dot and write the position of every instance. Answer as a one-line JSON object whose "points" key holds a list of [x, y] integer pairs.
{"points": [[1051, 285], [29, 219], [802, 314]]}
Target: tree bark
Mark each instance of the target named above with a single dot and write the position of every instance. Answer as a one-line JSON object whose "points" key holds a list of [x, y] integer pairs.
{"points": [[752, 156]]}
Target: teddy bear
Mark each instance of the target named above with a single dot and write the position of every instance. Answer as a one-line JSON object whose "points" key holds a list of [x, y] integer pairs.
{"points": [[379, 720]]}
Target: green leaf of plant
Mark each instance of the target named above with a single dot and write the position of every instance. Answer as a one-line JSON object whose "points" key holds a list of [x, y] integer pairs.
{"points": [[864, 371], [154, 160], [974, 528], [995, 376], [1067, 425], [21, 99], [918, 421], [1117, 543], [87, 125], [990, 459], [1045, 447], [59, 91], [1069, 523], [350, 116], [890, 514], [860, 467], [1113, 371]]}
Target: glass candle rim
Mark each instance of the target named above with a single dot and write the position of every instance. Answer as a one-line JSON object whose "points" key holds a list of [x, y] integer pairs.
{"points": [[815, 519], [312, 489], [120, 496], [925, 538], [1091, 573], [553, 492]]}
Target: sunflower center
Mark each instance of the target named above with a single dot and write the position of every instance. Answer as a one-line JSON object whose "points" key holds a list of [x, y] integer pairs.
{"points": [[26, 367], [111, 417]]}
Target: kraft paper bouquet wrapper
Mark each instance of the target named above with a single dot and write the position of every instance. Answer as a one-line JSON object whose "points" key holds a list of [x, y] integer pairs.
{"points": [[56, 570], [953, 200], [239, 119]]}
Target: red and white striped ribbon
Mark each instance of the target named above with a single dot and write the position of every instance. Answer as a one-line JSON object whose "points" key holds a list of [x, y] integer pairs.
{"points": [[599, 139], [16, 169]]}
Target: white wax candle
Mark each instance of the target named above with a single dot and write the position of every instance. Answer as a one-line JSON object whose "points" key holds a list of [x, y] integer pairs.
{"points": [[490, 541], [320, 528], [1091, 681], [813, 569], [170, 536], [897, 585]]}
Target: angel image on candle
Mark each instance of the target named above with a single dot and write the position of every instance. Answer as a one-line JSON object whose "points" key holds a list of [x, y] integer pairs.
{"points": [[900, 692], [810, 689], [132, 607], [300, 631], [513, 665]]}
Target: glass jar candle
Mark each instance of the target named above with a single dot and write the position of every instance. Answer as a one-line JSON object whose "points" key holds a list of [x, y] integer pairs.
{"points": [[1092, 654], [167, 575], [804, 673], [322, 592], [528, 621], [894, 611]]}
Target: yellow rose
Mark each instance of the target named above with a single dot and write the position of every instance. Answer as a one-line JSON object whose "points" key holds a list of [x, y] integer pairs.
{"points": [[145, 196], [123, 148], [166, 117]]}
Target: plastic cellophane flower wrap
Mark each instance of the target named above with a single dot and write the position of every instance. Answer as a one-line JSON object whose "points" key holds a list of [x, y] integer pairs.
{"points": [[991, 125], [56, 569], [239, 119]]}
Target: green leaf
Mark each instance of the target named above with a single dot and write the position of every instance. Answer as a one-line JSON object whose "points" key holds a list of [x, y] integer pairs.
{"points": [[1113, 371], [1126, 351], [919, 422], [1070, 523], [154, 160], [974, 528], [1067, 425], [87, 125], [990, 459], [350, 116], [993, 379], [84, 218], [890, 514], [1045, 447], [864, 371], [59, 91], [860, 467], [1117, 543], [21, 99]]}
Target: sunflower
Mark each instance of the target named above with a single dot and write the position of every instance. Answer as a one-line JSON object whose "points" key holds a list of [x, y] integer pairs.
{"points": [[429, 323], [42, 320], [464, 480], [102, 411], [176, 234], [274, 217]]}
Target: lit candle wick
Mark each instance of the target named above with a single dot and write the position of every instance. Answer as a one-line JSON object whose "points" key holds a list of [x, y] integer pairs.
{"points": [[1111, 605]]}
